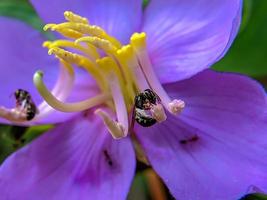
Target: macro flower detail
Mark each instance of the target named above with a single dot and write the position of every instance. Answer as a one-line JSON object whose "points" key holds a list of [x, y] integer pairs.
{"points": [[207, 135], [121, 73]]}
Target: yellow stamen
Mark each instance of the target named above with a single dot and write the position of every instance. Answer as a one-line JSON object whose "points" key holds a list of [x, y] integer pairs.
{"points": [[67, 32], [109, 67], [82, 62], [124, 55], [103, 44], [70, 16], [49, 26], [80, 27], [138, 40], [90, 51], [83, 28], [120, 71], [128, 56]]}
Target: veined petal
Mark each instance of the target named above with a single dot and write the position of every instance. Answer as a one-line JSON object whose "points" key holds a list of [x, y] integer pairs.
{"points": [[119, 18], [216, 149], [187, 36], [76, 160]]}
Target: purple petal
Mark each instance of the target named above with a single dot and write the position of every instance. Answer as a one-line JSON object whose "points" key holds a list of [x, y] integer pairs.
{"points": [[76, 160], [119, 18], [217, 148], [187, 36], [21, 55]]}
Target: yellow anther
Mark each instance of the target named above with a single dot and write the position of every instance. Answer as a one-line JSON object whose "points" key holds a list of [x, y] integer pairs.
{"points": [[108, 65], [126, 53], [138, 40], [69, 33], [80, 27], [49, 26], [47, 44], [115, 42], [90, 51], [72, 17], [65, 55], [99, 43], [93, 30], [80, 61]]}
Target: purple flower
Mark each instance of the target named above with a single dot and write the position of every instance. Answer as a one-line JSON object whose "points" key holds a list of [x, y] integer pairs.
{"points": [[214, 149]]}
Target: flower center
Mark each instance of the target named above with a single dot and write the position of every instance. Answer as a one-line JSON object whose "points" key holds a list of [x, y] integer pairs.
{"points": [[124, 75]]}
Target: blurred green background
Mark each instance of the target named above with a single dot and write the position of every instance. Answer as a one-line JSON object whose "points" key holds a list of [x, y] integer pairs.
{"points": [[247, 55]]}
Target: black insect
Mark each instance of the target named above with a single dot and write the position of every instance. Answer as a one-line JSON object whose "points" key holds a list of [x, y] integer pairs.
{"points": [[143, 102], [25, 103]]}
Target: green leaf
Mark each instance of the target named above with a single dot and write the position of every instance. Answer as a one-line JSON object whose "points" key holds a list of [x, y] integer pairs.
{"points": [[6, 142], [35, 131], [249, 51], [20, 9], [139, 188], [145, 3], [254, 196]]}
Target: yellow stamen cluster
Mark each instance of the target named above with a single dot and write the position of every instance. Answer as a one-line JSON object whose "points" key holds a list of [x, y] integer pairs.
{"points": [[98, 53]]}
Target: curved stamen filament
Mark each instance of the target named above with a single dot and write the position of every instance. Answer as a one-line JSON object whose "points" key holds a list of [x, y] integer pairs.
{"points": [[138, 41], [121, 127], [66, 107], [65, 80], [19, 114]]}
